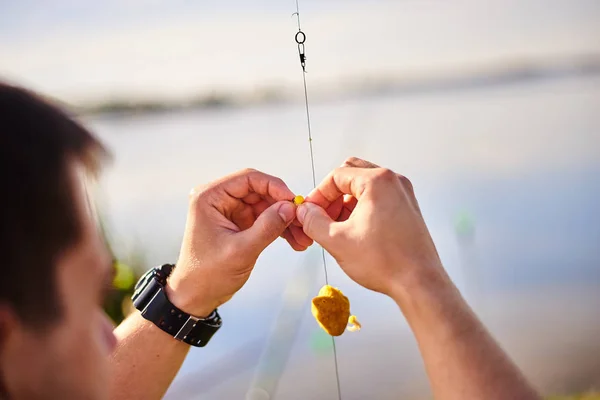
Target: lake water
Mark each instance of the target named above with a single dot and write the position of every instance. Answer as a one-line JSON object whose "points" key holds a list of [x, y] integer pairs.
{"points": [[518, 163]]}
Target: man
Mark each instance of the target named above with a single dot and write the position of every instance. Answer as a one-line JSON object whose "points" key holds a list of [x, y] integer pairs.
{"points": [[55, 341]]}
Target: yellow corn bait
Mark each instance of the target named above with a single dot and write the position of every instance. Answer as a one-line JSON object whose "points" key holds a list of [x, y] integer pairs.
{"points": [[353, 324], [331, 309], [298, 200]]}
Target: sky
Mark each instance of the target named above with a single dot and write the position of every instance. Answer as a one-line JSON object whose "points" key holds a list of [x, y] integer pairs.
{"points": [[85, 51]]}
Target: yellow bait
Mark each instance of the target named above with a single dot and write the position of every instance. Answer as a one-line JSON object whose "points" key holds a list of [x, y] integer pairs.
{"points": [[331, 309], [353, 324], [298, 200]]}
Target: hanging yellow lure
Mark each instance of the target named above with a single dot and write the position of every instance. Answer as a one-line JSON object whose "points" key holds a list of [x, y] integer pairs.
{"points": [[331, 309]]}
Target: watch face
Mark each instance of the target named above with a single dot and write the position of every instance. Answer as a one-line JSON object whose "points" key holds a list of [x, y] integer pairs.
{"points": [[141, 283]]}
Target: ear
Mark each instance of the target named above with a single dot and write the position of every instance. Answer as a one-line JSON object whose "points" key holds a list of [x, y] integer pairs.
{"points": [[8, 323], [9, 331]]}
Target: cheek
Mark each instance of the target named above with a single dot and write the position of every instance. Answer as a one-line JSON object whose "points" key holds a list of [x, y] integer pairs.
{"points": [[71, 362], [96, 339], [83, 356], [106, 338]]}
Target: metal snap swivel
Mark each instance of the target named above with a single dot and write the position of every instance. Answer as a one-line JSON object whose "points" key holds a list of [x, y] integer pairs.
{"points": [[300, 37]]}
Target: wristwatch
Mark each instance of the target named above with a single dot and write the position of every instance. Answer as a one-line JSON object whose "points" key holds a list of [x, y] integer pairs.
{"points": [[151, 299]]}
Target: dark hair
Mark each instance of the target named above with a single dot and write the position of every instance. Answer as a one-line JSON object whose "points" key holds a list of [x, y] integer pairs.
{"points": [[38, 216]]}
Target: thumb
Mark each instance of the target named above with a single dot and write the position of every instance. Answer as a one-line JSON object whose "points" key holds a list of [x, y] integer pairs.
{"points": [[316, 223], [269, 225]]}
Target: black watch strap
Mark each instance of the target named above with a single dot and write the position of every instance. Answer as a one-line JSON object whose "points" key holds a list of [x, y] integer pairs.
{"points": [[150, 298], [180, 325]]}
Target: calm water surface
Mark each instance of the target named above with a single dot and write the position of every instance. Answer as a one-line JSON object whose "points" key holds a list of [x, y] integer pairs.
{"points": [[517, 164]]}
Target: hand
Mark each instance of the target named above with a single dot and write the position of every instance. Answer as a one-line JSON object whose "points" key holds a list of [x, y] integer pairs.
{"points": [[368, 219], [230, 222]]}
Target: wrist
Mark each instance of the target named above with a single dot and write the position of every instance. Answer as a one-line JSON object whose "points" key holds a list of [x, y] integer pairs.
{"points": [[190, 303], [422, 282]]}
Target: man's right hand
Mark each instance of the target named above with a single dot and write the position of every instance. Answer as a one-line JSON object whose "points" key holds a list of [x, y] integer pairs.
{"points": [[368, 218]]}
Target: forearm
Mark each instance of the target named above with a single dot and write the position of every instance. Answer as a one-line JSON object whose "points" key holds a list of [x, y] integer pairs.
{"points": [[145, 361], [462, 359]]}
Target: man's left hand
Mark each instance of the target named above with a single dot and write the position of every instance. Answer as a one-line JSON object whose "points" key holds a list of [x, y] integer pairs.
{"points": [[230, 222]]}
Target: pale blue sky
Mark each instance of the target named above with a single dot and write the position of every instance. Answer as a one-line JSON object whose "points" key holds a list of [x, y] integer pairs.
{"points": [[83, 50]]}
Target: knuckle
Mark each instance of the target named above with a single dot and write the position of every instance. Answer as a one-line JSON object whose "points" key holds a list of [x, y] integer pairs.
{"points": [[405, 182], [336, 172], [359, 163], [196, 194], [278, 181], [351, 161], [385, 175], [248, 171]]}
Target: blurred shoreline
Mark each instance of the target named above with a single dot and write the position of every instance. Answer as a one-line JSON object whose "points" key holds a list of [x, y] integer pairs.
{"points": [[399, 83], [520, 159]]}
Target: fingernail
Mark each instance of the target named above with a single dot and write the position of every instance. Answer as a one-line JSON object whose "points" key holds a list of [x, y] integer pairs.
{"points": [[287, 212]]}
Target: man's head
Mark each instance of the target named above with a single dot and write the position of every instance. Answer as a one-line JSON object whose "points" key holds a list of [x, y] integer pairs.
{"points": [[54, 337]]}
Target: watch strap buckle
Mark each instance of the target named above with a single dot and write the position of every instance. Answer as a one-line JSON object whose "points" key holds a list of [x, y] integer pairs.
{"points": [[187, 327]]}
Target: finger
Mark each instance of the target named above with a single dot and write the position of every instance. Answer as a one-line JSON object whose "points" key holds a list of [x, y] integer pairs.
{"points": [[335, 208], [252, 198], [358, 163], [242, 183], [300, 236], [339, 182], [243, 216], [344, 215], [295, 222], [350, 202], [355, 162], [269, 225], [287, 235], [316, 224], [260, 207]]}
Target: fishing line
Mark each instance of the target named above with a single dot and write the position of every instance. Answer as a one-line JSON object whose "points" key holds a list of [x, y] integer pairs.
{"points": [[300, 38]]}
